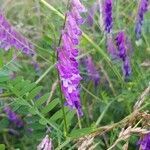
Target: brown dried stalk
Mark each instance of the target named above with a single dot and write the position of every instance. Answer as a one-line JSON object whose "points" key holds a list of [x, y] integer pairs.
{"points": [[54, 85], [142, 97], [85, 143], [126, 133]]}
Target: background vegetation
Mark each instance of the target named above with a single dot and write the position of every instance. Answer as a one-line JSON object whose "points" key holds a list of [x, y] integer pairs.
{"points": [[32, 89]]}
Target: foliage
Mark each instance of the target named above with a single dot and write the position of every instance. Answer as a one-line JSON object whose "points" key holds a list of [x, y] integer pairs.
{"points": [[29, 84]]}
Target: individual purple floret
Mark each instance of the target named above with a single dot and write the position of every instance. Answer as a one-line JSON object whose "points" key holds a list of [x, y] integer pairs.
{"points": [[77, 4], [46, 144], [91, 13], [122, 46], [13, 117], [9, 38], [92, 72], [143, 7], [67, 65], [145, 142], [107, 15]]}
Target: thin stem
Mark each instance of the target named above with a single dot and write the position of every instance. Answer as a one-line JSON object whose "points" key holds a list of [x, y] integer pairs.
{"points": [[7, 142], [103, 113], [63, 110], [42, 117], [108, 79], [45, 73], [53, 9], [79, 121], [86, 90]]}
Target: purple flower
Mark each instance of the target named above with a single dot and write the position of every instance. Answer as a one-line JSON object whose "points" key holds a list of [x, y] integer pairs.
{"points": [[92, 72], [13, 117], [107, 15], [143, 7], [91, 13], [122, 46], [46, 144], [67, 64], [145, 142], [77, 4], [10, 38]]}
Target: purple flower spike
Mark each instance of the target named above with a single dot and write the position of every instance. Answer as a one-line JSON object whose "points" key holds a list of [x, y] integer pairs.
{"points": [[143, 7], [145, 142], [92, 72], [46, 144], [10, 38], [13, 117], [107, 15], [122, 44], [67, 64]]}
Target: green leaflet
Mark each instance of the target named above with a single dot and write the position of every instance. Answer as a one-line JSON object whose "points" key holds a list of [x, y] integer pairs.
{"points": [[34, 92], [50, 106], [41, 100], [58, 115], [80, 132]]}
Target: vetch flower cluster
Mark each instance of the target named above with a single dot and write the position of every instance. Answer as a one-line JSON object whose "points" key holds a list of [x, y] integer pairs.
{"points": [[143, 7], [67, 65], [9, 38], [120, 49], [121, 42], [46, 144], [107, 15], [13, 117]]}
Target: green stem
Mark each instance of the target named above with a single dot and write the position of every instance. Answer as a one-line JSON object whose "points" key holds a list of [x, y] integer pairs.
{"points": [[53, 9], [32, 105], [45, 73], [79, 121], [63, 110], [102, 115], [7, 142], [86, 90]]}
